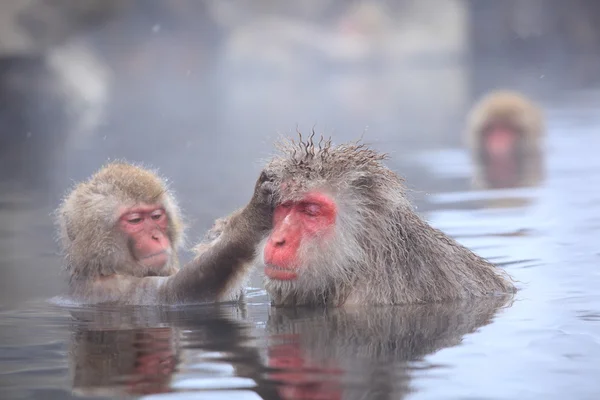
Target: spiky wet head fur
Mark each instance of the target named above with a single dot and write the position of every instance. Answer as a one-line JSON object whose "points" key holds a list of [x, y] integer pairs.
{"points": [[88, 216], [507, 106], [381, 252]]}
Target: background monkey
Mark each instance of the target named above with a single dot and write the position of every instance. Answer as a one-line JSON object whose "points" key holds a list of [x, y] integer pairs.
{"points": [[504, 131], [345, 233], [120, 232]]}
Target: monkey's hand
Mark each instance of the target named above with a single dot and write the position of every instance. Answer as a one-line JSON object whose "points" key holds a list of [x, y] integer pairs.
{"points": [[221, 264], [260, 209], [255, 218]]}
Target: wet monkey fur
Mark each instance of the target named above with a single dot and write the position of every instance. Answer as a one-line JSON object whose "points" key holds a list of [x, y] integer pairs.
{"points": [[120, 232], [344, 233]]}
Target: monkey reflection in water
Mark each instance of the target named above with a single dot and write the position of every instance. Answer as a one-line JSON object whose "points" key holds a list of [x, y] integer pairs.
{"points": [[117, 352], [504, 134], [363, 353], [322, 353], [106, 362]]}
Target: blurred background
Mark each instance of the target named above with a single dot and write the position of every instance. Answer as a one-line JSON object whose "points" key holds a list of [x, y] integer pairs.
{"points": [[201, 89]]}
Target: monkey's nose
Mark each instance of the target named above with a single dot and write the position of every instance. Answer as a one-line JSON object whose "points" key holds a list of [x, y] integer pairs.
{"points": [[277, 240]]}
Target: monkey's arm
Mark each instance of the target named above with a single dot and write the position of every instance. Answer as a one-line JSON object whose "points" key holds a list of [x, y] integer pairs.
{"points": [[212, 236], [216, 272], [222, 265], [218, 269], [211, 276]]}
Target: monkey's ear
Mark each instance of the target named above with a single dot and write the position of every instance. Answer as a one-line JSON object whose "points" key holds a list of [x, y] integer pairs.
{"points": [[363, 182]]}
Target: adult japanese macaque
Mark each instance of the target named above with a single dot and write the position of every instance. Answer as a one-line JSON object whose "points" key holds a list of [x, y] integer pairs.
{"points": [[121, 230], [344, 233], [504, 131]]}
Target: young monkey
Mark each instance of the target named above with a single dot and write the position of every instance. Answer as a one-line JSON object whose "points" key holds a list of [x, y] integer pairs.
{"points": [[344, 233], [120, 233]]}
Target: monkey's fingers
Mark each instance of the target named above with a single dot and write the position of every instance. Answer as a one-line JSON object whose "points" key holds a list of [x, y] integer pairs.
{"points": [[267, 175], [266, 192]]}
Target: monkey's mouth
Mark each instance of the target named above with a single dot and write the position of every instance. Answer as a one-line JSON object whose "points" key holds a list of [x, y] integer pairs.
{"points": [[160, 253], [156, 260], [280, 273]]}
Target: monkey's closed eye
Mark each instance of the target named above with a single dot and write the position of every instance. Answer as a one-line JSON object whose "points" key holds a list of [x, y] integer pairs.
{"points": [[134, 219], [156, 215], [312, 210]]}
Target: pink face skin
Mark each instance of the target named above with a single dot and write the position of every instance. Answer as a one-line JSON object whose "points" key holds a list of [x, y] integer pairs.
{"points": [[146, 226], [501, 144], [294, 222], [500, 140]]}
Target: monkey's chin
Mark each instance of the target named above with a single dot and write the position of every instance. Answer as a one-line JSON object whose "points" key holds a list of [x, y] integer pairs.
{"points": [[280, 274], [156, 261]]}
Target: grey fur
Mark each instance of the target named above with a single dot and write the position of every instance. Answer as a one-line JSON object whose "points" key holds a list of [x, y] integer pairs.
{"points": [[382, 251]]}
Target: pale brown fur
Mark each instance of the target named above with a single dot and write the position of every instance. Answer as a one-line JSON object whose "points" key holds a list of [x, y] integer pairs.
{"points": [[516, 110], [100, 266], [508, 106], [382, 251], [88, 215]]}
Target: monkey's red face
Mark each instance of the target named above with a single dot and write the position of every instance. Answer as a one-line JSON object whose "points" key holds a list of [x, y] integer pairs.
{"points": [[295, 223], [502, 154], [501, 140], [146, 229]]}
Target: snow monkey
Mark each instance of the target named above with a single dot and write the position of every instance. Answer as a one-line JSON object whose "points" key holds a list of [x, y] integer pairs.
{"points": [[121, 230], [504, 132], [344, 233]]}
